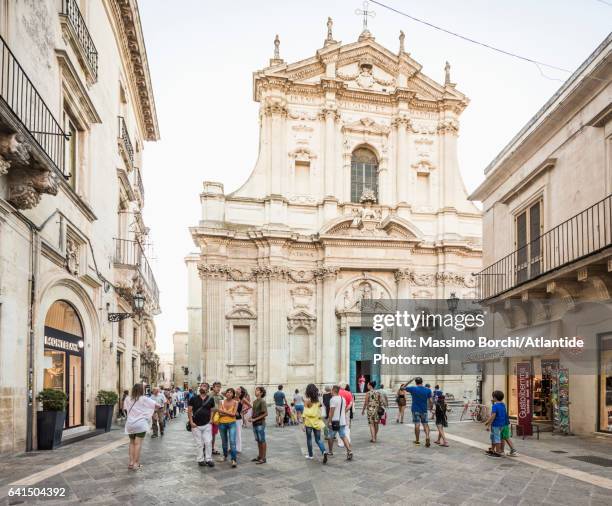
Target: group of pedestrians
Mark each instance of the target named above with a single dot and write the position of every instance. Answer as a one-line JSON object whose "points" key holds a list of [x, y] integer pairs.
{"points": [[324, 417]]}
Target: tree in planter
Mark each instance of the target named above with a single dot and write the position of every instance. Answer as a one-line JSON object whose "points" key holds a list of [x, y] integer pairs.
{"points": [[106, 400], [52, 399], [50, 421]]}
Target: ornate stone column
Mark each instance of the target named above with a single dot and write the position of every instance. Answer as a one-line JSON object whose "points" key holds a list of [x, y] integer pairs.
{"points": [[274, 281], [214, 278], [330, 115], [401, 124], [330, 345], [403, 279], [275, 111], [448, 130]]}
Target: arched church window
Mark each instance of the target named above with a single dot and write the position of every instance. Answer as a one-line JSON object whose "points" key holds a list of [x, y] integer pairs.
{"points": [[364, 174], [300, 349]]}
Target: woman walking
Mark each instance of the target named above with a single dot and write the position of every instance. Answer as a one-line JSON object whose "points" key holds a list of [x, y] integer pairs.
{"points": [[227, 424], [139, 410], [441, 410], [313, 423], [298, 405], [401, 403], [373, 405]]}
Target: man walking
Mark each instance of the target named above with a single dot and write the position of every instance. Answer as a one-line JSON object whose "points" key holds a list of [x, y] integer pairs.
{"points": [[199, 413], [158, 414], [337, 422], [421, 404], [280, 401]]}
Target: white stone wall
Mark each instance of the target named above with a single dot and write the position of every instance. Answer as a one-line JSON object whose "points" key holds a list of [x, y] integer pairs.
{"points": [[36, 245]]}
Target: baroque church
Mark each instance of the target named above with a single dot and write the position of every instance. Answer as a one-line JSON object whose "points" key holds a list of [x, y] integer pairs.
{"points": [[356, 194]]}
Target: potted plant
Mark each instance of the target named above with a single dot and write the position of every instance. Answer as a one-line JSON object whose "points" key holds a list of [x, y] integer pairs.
{"points": [[50, 421], [106, 400]]}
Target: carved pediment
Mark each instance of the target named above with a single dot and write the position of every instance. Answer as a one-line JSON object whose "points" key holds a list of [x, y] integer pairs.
{"points": [[368, 223], [366, 125], [241, 313], [301, 319]]}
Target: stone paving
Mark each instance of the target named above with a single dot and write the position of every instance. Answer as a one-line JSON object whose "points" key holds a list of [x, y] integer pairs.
{"points": [[393, 471]]}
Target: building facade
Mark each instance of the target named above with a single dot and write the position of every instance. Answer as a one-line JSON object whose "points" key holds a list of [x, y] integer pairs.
{"points": [[76, 106], [165, 373], [180, 360], [547, 245], [356, 194]]}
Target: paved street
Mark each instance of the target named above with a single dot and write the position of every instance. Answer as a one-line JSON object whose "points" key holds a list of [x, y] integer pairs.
{"points": [[393, 471]]}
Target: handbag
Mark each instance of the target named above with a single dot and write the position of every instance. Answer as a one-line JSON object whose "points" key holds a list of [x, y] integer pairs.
{"points": [[216, 417], [381, 409]]}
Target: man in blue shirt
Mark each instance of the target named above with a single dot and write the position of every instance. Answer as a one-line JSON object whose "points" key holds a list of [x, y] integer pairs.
{"points": [[421, 403], [280, 401]]}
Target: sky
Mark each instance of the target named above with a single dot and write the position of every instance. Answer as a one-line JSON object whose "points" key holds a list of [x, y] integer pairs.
{"points": [[202, 55]]}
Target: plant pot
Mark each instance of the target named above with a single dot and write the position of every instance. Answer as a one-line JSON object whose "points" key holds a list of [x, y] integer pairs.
{"points": [[104, 417], [49, 429]]}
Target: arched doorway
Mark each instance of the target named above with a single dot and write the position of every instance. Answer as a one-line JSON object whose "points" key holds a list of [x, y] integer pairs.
{"points": [[63, 362]]}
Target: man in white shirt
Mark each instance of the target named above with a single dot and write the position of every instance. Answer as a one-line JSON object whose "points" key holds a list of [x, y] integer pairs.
{"points": [[158, 415], [337, 422]]}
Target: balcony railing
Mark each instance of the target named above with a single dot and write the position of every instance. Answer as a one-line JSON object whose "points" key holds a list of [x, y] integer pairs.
{"points": [[127, 142], [73, 13], [130, 253], [138, 182], [584, 234], [22, 98]]}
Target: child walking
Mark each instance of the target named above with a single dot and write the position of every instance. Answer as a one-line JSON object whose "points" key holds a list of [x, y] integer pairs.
{"points": [[496, 422], [441, 409]]}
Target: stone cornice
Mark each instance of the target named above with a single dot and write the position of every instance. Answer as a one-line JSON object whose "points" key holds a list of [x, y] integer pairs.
{"points": [[131, 44]]}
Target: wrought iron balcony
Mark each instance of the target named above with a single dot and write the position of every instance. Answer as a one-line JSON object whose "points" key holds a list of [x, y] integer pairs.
{"points": [[125, 143], [28, 109], [584, 234], [88, 51], [131, 254]]}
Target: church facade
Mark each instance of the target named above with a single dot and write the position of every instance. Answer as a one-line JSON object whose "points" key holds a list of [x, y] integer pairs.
{"points": [[356, 194]]}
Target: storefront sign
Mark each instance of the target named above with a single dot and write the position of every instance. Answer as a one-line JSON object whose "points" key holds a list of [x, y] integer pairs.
{"points": [[62, 344], [524, 398]]}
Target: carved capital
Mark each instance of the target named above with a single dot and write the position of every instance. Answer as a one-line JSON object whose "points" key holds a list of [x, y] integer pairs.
{"points": [[275, 106], [326, 272], [213, 271], [329, 113], [404, 275], [448, 126], [402, 121]]}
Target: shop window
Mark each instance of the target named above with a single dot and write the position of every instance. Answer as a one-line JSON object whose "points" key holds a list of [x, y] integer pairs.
{"points": [[63, 358], [605, 385], [242, 344]]}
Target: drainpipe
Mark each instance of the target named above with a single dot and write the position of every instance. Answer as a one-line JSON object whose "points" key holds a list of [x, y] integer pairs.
{"points": [[34, 246]]}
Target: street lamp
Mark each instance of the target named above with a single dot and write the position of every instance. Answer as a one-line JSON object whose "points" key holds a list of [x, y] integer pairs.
{"points": [[138, 302], [453, 302]]}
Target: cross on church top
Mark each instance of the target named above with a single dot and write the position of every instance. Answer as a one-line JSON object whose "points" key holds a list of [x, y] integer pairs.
{"points": [[365, 13]]}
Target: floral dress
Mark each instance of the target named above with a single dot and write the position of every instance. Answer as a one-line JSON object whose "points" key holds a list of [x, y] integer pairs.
{"points": [[374, 403]]}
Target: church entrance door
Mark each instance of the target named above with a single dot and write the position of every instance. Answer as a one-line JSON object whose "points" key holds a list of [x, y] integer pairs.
{"points": [[361, 357]]}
